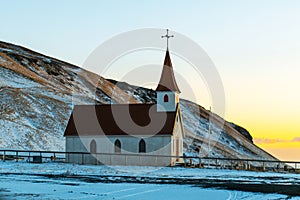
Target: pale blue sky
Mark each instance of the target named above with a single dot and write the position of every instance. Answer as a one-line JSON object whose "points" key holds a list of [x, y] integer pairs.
{"points": [[71, 30], [255, 45]]}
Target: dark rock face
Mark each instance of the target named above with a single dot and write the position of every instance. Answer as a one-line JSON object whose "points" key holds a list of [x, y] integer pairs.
{"points": [[243, 131]]}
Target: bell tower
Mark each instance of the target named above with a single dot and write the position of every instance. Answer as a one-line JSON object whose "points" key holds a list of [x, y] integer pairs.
{"points": [[167, 91]]}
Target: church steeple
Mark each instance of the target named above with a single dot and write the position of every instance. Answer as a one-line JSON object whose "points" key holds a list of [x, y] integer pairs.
{"points": [[167, 80], [167, 91]]}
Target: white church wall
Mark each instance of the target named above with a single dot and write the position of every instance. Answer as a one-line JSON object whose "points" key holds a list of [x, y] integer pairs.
{"points": [[178, 134], [73, 144], [157, 145]]}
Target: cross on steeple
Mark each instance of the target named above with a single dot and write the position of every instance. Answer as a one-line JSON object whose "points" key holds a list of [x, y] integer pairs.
{"points": [[167, 36]]}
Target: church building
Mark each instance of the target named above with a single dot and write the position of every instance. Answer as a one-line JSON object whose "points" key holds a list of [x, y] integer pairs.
{"points": [[130, 134]]}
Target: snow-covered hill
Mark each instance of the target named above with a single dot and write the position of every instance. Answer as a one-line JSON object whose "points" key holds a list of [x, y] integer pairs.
{"points": [[38, 92]]}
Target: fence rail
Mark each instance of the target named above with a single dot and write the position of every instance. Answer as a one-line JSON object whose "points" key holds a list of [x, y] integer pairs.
{"points": [[187, 161]]}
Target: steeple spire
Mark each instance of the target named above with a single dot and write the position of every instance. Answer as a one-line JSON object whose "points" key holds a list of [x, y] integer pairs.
{"points": [[167, 80]]}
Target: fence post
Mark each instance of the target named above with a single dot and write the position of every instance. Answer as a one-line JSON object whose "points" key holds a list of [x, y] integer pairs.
{"points": [[82, 158], [54, 157], [216, 163], [17, 156], [4, 156], [248, 165], [29, 156]]}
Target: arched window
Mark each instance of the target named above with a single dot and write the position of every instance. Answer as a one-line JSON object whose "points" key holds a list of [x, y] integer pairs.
{"points": [[117, 146], [93, 146], [142, 146], [166, 98]]}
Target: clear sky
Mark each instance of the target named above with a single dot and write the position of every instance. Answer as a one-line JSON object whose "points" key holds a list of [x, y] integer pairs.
{"points": [[255, 46]]}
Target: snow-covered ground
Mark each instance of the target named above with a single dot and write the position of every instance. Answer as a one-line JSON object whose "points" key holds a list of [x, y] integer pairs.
{"points": [[138, 171], [67, 181], [32, 187]]}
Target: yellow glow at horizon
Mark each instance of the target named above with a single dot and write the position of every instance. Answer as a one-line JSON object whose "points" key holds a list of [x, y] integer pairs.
{"points": [[284, 153]]}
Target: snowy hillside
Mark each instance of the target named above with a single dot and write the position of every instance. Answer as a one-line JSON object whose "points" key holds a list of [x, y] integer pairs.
{"points": [[38, 92]]}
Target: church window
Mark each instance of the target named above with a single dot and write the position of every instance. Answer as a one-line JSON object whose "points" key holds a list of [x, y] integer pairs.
{"points": [[142, 146], [117, 146], [166, 98], [93, 146]]}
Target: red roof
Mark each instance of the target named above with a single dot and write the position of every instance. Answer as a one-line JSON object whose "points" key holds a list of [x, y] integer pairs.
{"points": [[167, 80], [119, 119]]}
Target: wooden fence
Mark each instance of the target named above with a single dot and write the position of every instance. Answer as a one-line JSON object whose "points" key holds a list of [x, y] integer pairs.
{"points": [[187, 161]]}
